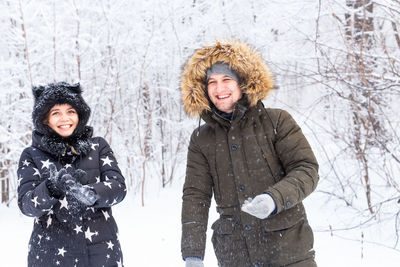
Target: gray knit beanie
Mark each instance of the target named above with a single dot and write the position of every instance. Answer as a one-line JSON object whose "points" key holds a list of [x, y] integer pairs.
{"points": [[222, 68]]}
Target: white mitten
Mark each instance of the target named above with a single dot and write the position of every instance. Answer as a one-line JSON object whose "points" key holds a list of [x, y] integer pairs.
{"points": [[194, 262], [261, 206]]}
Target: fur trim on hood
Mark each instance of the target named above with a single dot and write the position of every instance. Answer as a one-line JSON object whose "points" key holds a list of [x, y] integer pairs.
{"points": [[255, 76]]}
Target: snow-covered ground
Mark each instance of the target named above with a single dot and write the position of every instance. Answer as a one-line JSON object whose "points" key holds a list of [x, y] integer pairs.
{"points": [[150, 236]]}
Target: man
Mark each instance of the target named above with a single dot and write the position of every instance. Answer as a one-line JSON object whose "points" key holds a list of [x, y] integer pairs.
{"points": [[255, 161]]}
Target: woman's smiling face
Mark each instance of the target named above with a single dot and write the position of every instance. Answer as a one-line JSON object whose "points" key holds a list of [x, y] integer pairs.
{"points": [[63, 119]]}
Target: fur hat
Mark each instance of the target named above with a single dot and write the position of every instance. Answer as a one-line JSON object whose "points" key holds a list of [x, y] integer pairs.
{"points": [[58, 93]]}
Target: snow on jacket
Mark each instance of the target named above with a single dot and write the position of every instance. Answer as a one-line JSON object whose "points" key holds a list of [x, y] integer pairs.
{"points": [[63, 234], [259, 151]]}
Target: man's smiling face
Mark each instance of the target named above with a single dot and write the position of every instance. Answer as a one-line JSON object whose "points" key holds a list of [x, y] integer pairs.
{"points": [[223, 92]]}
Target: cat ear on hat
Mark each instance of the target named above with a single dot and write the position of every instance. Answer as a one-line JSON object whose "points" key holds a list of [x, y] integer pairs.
{"points": [[76, 88], [37, 91]]}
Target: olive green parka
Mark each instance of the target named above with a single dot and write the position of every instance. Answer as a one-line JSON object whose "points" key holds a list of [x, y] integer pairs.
{"points": [[258, 151]]}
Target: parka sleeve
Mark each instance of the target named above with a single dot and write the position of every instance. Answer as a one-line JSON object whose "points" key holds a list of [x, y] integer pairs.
{"points": [[298, 161], [197, 193], [111, 189], [34, 198]]}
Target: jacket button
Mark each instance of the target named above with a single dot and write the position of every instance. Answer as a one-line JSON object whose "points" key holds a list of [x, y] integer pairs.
{"points": [[288, 204], [247, 228], [234, 147], [242, 188]]}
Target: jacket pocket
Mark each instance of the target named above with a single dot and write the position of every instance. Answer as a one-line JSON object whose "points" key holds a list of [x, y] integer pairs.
{"points": [[227, 241], [285, 219], [223, 226]]}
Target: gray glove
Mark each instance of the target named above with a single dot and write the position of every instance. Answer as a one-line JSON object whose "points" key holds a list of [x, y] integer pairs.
{"points": [[84, 194], [194, 262], [58, 182], [261, 206], [81, 176]]}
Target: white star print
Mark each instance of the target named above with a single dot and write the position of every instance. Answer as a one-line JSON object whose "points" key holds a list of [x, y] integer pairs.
{"points": [[105, 213], [89, 234], [64, 203], [34, 200], [108, 256], [114, 202], [68, 166], [90, 208], [110, 245], [94, 146], [19, 180], [36, 172], [107, 184], [26, 163], [57, 262], [46, 164], [119, 263], [40, 239], [97, 179], [61, 251], [107, 160], [78, 229], [106, 178], [49, 220]]}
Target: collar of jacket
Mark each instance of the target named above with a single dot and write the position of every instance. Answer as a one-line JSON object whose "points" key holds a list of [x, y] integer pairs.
{"points": [[239, 109], [59, 146]]}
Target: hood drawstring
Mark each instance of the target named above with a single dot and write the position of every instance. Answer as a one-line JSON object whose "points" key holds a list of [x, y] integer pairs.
{"points": [[273, 125], [198, 128]]}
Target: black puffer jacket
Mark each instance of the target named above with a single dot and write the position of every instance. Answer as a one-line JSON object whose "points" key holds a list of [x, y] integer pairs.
{"points": [[65, 234]]}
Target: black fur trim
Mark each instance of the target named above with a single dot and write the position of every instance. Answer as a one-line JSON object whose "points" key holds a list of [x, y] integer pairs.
{"points": [[59, 146]]}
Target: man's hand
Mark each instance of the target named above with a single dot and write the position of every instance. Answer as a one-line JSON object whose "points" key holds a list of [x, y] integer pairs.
{"points": [[261, 206], [194, 262]]}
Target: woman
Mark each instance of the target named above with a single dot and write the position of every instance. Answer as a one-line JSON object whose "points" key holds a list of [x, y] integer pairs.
{"points": [[68, 180]]}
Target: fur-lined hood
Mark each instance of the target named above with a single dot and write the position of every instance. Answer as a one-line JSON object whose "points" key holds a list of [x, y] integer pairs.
{"points": [[255, 77]]}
